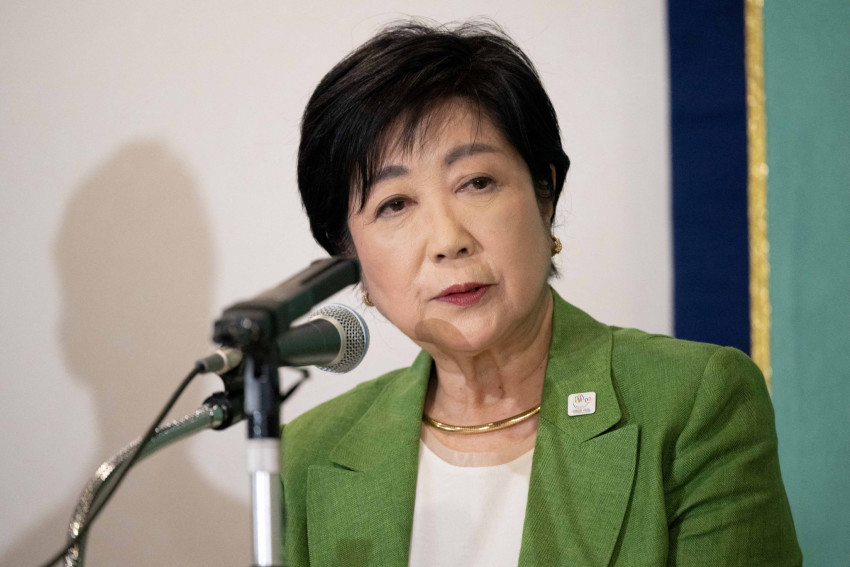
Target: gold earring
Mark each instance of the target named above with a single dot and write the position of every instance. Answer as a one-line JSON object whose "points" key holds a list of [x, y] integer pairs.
{"points": [[366, 299], [556, 245]]}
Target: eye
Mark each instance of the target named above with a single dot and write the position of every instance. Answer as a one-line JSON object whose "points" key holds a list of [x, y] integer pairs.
{"points": [[391, 206], [479, 183]]}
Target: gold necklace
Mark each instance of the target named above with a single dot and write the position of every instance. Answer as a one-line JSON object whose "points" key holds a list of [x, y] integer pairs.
{"points": [[484, 427]]}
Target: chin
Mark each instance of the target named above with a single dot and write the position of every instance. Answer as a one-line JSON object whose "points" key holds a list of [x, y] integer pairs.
{"points": [[468, 337]]}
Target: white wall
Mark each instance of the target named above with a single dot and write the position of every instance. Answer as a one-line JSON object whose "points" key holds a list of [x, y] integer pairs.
{"points": [[147, 174]]}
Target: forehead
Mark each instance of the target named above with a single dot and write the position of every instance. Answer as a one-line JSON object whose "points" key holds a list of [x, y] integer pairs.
{"points": [[449, 125], [446, 125]]}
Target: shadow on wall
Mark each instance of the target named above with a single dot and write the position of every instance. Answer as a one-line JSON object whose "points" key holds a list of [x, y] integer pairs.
{"points": [[135, 264]]}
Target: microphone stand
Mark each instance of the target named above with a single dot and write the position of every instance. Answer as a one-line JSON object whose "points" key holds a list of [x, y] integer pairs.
{"points": [[219, 411], [253, 326], [262, 408]]}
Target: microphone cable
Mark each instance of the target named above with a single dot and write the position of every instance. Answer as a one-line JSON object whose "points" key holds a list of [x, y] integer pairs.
{"points": [[198, 369]]}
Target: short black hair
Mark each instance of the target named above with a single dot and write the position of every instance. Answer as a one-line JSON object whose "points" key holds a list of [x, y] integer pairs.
{"points": [[398, 78]]}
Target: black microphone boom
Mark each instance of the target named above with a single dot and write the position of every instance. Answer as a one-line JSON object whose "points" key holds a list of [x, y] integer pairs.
{"points": [[258, 322]]}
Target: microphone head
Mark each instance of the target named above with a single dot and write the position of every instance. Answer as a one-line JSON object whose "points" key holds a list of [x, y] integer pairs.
{"points": [[354, 336]]}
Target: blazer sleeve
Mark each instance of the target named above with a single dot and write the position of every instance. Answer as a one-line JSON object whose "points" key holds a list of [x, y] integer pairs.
{"points": [[726, 504]]}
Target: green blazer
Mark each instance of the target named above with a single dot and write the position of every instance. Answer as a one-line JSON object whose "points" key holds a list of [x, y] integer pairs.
{"points": [[677, 466]]}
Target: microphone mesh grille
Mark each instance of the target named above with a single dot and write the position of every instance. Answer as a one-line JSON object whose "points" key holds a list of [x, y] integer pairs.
{"points": [[356, 336]]}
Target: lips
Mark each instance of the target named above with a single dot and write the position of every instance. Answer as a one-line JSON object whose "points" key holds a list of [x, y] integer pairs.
{"points": [[463, 294]]}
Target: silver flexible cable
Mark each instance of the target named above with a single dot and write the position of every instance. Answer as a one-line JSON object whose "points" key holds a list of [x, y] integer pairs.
{"points": [[207, 416]]}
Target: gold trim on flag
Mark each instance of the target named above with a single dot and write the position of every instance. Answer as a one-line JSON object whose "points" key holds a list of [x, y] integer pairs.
{"points": [[757, 188]]}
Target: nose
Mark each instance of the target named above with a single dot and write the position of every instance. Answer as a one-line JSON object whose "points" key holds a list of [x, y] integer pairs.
{"points": [[449, 236]]}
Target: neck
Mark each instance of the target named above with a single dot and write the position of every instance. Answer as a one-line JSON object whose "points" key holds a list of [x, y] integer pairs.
{"points": [[472, 388]]}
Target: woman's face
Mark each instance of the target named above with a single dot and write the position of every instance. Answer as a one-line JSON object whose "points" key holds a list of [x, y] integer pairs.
{"points": [[454, 249]]}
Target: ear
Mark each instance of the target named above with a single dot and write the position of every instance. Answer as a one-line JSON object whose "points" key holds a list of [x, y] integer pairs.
{"points": [[547, 210]]}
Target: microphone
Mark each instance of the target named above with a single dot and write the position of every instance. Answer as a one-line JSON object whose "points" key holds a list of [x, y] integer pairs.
{"points": [[335, 338], [260, 321]]}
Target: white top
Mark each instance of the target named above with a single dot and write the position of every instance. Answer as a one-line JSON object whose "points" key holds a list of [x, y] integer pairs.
{"points": [[466, 514]]}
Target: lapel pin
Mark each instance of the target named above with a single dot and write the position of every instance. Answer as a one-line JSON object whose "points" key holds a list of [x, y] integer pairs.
{"points": [[582, 404]]}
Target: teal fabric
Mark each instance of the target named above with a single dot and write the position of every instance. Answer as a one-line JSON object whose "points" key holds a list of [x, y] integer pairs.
{"points": [[677, 466], [807, 92]]}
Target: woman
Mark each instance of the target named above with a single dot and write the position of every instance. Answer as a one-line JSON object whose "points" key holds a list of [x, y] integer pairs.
{"points": [[525, 432]]}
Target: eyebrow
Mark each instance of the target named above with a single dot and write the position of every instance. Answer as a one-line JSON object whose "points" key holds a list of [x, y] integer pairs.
{"points": [[389, 172], [467, 150]]}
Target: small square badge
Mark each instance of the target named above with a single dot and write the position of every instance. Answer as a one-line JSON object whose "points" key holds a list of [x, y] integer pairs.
{"points": [[582, 404]]}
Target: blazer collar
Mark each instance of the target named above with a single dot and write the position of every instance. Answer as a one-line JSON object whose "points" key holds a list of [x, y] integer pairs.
{"points": [[583, 470], [360, 508], [582, 364], [579, 362], [390, 427], [367, 499]]}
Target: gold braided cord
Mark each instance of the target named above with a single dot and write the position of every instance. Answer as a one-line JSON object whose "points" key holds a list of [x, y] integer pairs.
{"points": [[484, 427], [757, 188]]}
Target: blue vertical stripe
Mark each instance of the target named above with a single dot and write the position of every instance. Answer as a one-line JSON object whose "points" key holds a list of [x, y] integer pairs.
{"points": [[709, 166]]}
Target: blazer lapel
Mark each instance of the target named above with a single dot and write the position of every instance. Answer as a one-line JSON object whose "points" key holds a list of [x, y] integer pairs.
{"points": [[581, 477], [360, 509]]}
